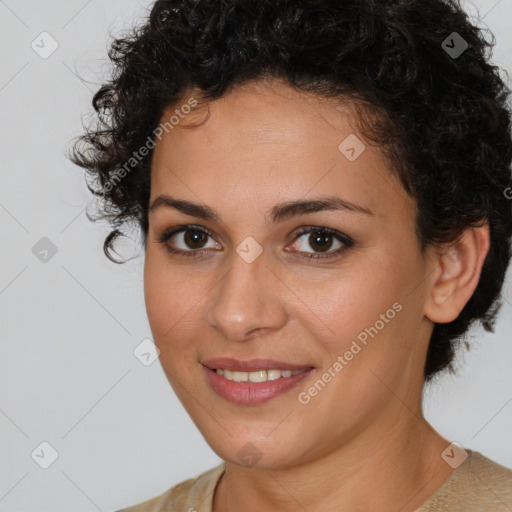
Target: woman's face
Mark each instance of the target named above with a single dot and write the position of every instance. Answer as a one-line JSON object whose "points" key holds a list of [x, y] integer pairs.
{"points": [[352, 318]]}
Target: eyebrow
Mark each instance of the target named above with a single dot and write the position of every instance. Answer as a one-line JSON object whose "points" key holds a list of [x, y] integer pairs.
{"points": [[278, 213]]}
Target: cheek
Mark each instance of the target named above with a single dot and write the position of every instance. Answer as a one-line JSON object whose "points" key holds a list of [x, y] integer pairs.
{"points": [[364, 314], [346, 303], [169, 299]]}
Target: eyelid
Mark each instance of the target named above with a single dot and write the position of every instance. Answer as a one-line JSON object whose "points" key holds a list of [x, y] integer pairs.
{"points": [[342, 237], [345, 240]]}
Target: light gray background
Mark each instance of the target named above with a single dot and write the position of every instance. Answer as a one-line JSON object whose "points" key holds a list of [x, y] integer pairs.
{"points": [[69, 326]]}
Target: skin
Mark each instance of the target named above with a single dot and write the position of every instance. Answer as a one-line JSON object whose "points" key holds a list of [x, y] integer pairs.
{"points": [[362, 440]]}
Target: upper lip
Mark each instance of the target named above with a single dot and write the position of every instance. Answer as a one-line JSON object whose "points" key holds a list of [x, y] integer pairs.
{"points": [[250, 365]]}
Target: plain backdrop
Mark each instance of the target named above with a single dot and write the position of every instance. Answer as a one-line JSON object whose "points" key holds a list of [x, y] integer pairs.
{"points": [[70, 320]]}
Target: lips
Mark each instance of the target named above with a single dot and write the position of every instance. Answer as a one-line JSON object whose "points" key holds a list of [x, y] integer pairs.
{"points": [[238, 390], [252, 365], [253, 393]]}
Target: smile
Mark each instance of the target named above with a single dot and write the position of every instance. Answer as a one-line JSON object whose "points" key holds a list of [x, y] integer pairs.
{"points": [[256, 376], [255, 387]]}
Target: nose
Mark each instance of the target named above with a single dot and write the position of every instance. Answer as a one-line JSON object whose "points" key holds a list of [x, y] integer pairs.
{"points": [[249, 300]]}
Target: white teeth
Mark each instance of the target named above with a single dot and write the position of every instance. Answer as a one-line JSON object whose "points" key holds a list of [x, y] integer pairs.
{"points": [[273, 374], [257, 376], [260, 376], [240, 376]]}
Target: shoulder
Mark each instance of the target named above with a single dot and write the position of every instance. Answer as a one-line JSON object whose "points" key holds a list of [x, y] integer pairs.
{"points": [[477, 485], [192, 495]]}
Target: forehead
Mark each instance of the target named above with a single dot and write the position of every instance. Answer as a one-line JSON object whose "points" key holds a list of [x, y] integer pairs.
{"points": [[265, 143]]}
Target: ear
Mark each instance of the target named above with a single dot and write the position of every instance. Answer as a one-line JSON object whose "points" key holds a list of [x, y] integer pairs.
{"points": [[457, 271]]}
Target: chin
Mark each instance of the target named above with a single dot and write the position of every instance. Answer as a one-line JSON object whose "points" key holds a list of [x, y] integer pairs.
{"points": [[253, 451]]}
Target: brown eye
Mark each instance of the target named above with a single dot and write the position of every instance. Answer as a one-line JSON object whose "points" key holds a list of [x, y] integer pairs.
{"points": [[186, 241], [194, 239], [190, 241], [321, 240]]}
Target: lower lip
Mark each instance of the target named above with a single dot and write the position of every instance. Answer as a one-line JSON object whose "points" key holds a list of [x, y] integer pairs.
{"points": [[253, 392]]}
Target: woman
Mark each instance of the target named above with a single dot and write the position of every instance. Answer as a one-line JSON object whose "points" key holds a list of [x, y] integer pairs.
{"points": [[321, 187]]}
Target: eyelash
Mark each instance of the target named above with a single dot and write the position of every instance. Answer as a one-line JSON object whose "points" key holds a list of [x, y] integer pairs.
{"points": [[344, 239]]}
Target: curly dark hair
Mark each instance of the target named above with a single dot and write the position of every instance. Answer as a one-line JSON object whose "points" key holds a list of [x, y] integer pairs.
{"points": [[441, 118]]}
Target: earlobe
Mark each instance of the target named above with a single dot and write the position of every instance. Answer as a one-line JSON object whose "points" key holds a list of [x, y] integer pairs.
{"points": [[458, 269]]}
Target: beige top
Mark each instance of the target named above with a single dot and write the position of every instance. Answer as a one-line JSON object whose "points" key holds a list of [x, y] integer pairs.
{"points": [[477, 485]]}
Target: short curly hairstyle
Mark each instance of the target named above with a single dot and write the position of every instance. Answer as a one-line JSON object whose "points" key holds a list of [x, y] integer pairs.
{"points": [[419, 70]]}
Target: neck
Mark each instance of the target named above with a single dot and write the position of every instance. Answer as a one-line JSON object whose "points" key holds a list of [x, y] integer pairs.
{"points": [[385, 469]]}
